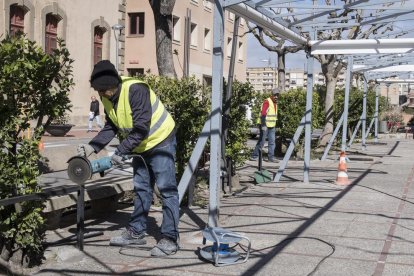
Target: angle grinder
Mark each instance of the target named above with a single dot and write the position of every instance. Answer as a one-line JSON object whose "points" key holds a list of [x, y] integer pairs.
{"points": [[80, 169]]}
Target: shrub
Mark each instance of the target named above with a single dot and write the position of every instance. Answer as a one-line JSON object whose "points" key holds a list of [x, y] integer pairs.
{"points": [[188, 105], [236, 144], [291, 109], [33, 86]]}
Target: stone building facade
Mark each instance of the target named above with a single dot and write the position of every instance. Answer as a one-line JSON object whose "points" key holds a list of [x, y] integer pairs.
{"points": [[84, 25], [87, 28]]}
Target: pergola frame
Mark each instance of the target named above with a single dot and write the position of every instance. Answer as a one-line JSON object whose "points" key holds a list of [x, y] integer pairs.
{"points": [[257, 12]]}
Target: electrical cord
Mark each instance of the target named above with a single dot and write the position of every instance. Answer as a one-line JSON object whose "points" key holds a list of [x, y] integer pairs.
{"points": [[310, 238], [313, 238]]}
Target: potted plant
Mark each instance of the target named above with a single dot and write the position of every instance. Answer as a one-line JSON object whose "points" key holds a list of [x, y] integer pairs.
{"points": [[59, 126]]}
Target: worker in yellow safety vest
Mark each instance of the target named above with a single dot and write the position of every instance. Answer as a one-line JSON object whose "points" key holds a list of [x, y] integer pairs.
{"points": [[267, 124], [146, 130]]}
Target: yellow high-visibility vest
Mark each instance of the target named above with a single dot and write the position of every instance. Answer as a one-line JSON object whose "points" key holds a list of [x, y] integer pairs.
{"points": [[271, 114], [162, 123]]}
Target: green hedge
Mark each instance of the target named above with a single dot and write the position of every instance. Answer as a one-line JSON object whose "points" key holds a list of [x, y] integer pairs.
{"points": [[189, 103]]}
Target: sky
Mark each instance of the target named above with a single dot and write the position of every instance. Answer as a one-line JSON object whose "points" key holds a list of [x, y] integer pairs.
{"points": [[258, 56]]}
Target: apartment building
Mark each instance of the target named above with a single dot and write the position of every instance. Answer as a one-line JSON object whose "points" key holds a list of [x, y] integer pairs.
{"points": [[86, 31], [263, 79], [196, 16]]}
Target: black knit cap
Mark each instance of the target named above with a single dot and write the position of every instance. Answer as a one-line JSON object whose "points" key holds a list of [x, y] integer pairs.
{"points": [[104, 76]]}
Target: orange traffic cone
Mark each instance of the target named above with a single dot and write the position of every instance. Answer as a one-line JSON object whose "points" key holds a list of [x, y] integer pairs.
{"points": [[342, 178], [41, 145]]}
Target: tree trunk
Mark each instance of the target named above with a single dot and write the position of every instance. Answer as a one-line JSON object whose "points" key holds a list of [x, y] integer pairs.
{"points": [[329, 112], [162, 10], [281, 66]]}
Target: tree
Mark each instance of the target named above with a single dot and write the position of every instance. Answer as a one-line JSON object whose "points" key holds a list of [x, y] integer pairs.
{"points": [[162, 10], [332, 65], [280, 49]]}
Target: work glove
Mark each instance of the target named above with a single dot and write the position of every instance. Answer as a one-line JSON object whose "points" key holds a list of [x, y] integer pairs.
{"points": [[85, 150], [263, 128], [117, 159]]}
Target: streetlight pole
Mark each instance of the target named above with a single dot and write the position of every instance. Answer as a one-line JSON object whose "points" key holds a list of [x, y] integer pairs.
{"points": [[117, 32]]}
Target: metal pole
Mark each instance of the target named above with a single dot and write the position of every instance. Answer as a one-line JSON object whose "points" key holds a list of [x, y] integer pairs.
{"points": [[289, 151], [346, 103], [227, 103], [192, 163], [231, 74], [376, 114], [364, 114], [354, 133], [187, 42], [216, 112], [369, 127], [308, 118], [388, 89], [80, 216], [117, 51], [328, 147]]}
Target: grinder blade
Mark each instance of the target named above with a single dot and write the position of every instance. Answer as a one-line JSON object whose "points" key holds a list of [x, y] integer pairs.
{"points": [[79, 169]]}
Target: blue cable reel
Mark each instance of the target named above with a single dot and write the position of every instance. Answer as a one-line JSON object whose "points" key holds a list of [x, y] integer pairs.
{"points": [[222, 252]]}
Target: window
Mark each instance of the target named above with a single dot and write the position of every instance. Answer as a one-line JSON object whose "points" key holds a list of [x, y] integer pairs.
{"points": [[207, 40], [97, 44], [194, 36], [135, 72], [240, 52], [207, 4], [231, 16], [229, 45], [176, 28], [16, 20], [51, 33], [136, 23]]}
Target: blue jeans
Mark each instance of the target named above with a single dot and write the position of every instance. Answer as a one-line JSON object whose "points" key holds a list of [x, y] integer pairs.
{"points": [[270, 133], [159, 168]]}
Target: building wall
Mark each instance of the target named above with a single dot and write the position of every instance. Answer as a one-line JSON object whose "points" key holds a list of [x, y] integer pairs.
{"points": [[263, 79], [78, 19], [140, 50]]}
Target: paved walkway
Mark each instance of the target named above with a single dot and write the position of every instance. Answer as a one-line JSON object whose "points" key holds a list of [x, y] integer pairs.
{"points": [[296, 228]]}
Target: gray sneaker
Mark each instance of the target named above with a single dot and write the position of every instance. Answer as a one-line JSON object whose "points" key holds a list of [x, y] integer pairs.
{"points": [[164, 247], [128, 237]]}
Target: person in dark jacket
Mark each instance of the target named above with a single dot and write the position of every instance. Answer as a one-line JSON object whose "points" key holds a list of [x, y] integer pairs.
{"points": [[94, 114], [146, 131]]}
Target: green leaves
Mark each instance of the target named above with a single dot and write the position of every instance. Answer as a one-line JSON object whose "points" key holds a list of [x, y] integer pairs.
{"points": [[33, 86]]}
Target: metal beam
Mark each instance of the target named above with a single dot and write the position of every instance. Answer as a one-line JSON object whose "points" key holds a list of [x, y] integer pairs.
{"points": [[216, 113], [363, 46], [194, 159], [326, 12], [348, 85], [308, 118], [266, 22], [395, 80]]}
